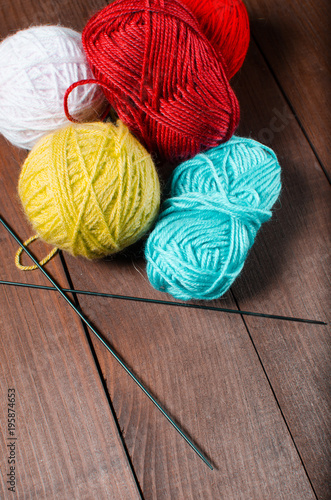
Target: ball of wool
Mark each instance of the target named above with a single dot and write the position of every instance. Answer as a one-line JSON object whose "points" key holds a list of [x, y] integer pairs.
{"points": [[90, 189], [37, 66], [162, 76], [226, 25], [218, 201]]}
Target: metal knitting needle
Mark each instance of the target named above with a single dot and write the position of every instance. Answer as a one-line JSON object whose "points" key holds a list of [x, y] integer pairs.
{"points": [[165, 302], [108, 347]]}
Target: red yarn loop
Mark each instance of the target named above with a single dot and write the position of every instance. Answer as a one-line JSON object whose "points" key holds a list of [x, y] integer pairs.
{"points": [[71, 88], [162, 76]]}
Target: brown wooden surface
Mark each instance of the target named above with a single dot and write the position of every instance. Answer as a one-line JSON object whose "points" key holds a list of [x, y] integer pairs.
{"points": [[288, 272], [294, 37], [252, 393], [68, 444]]}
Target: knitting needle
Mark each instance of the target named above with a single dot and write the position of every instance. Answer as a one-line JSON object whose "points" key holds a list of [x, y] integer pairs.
{"points": [[108, 347], [164, 302]]}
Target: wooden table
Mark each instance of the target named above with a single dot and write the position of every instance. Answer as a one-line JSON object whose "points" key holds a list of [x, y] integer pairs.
{"points": [[251, 392]]}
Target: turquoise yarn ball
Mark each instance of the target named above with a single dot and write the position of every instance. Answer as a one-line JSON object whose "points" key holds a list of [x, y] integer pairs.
{"points": [[218, 200]]}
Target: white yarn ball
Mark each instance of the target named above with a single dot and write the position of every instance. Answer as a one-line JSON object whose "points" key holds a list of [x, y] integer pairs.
{"points": [[37, 65]]}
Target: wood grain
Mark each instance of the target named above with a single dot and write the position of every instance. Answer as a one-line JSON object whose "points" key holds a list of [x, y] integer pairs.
{"points": [[252, 394], [204, 369], [294, 38], [18, 14], [68, 443], [288, 272]]}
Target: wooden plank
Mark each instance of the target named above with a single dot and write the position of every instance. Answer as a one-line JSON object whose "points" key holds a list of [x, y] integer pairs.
{"points": [[295, 39], [287, 273], [204, 369], [242, 429], [68, 443], [18, 14]]}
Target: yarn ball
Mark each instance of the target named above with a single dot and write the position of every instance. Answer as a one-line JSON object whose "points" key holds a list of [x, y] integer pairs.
{"points": [[218, 201], [90, 189], [226, 25], [37, 66], [162, 76]]}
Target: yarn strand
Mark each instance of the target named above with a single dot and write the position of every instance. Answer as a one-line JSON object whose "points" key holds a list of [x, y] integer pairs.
{"points": [[44, 261], [74, 86]]}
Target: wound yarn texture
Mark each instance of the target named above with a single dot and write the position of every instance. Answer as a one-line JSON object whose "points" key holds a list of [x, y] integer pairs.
{"points": [[162, 76], [90, 189], [217, 203], [226, 25], [37, 66]]}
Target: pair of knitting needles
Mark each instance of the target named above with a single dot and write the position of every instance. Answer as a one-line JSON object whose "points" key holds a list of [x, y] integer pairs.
{"points": [[105, 343], [63, 291]]}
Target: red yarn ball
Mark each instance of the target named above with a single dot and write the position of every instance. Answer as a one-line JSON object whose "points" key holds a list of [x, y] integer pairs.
{"points": [[226, 25], [162, 76]]}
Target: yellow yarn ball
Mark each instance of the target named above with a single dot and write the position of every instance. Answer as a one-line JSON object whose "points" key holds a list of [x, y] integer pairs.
{"points": [[90, 189]]}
